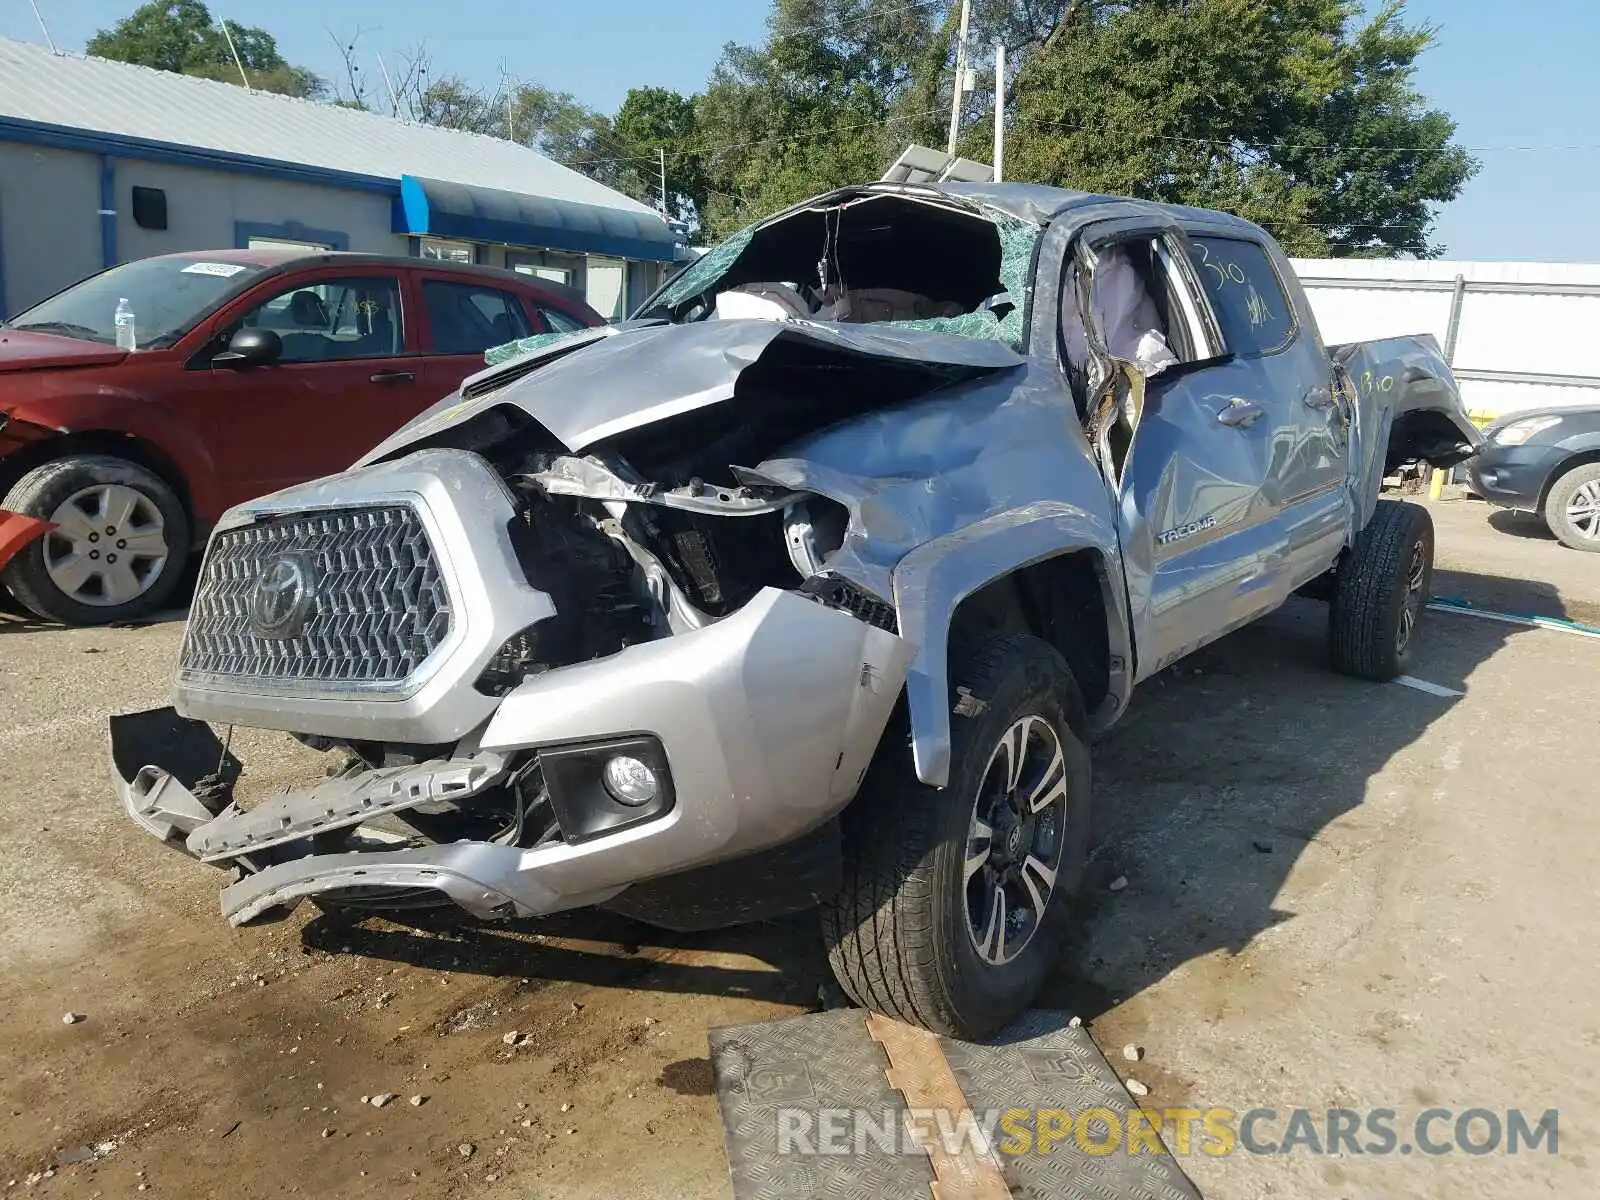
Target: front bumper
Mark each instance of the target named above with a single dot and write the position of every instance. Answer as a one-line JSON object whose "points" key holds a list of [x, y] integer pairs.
{"points": [[1513, 476], [767, 720]]}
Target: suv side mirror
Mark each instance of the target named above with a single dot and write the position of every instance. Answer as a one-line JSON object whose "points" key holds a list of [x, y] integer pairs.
{"points": [[250, 348]]}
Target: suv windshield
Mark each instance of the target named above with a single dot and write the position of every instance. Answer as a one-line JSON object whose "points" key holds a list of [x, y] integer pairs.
{"points": [[167, 296]]}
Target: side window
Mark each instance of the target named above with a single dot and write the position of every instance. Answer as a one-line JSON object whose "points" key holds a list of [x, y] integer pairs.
{"points": [[1136, 307], [334, 319], [559, 321], [468, 318], [1247, 295]]}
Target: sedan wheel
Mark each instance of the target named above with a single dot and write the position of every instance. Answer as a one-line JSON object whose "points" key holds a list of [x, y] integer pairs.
{"points": [[118, 547], [109, 545]]}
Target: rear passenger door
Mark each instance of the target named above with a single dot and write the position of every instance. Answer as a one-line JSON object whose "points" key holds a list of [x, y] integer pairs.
{"points": [[464, 318]]}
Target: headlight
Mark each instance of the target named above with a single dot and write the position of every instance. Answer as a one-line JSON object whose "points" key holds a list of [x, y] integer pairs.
{"points": [[1518, 432]]}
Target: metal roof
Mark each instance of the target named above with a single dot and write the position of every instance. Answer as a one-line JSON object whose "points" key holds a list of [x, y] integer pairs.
{"points": [[122, 100]]}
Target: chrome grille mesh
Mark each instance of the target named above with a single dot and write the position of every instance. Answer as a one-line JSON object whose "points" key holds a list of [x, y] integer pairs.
{"points": [[379, 608]]}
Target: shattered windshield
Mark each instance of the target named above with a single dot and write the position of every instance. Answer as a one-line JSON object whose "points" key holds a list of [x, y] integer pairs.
{"points": [[901, 261]]}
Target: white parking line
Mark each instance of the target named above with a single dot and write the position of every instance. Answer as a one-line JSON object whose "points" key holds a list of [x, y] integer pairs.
{"points": [[1433, 689]]}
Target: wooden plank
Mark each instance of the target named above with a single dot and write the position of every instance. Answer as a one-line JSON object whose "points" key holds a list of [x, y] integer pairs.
{"points": [[919, 1070]]}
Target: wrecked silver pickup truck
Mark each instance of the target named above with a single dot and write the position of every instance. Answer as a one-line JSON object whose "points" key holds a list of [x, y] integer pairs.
{"points": [[808, 586]]}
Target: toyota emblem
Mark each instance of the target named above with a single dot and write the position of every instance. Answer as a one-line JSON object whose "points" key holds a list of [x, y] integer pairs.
{"points": [[283, 598]]}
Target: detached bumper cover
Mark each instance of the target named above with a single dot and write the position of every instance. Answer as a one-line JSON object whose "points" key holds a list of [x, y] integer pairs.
{"points": [[767, 718]]}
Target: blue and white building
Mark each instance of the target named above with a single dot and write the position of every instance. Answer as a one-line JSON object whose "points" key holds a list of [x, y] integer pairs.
{"points": [[102, 162]]}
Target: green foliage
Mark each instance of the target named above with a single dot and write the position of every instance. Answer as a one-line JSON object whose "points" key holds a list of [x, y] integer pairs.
{"points": [[181, 36], [1284, 111], [1299, 114]]}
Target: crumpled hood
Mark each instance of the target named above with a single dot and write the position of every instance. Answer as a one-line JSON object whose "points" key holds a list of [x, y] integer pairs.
{"points": [[22, 350], [600, 383]]}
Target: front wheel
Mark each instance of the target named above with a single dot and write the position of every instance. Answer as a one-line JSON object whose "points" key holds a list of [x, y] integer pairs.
{"points": [[1382, 587], [119, 545], [1572, 509], [955, 898]]}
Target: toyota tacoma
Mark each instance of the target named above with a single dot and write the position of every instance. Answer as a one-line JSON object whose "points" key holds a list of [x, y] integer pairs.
{"points": [[808, 586]]}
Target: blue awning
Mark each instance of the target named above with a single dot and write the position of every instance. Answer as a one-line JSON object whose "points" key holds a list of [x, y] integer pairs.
{"points": [[431, 207]]}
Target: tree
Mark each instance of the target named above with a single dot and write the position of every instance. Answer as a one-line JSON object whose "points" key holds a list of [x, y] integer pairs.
{"points": [[1285, 111], [820, 104], [654, 121], [1300, 114], [181, 36]]}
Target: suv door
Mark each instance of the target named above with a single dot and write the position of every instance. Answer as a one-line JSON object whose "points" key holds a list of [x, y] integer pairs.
{"points": [[1197, 442], [349, 376]]}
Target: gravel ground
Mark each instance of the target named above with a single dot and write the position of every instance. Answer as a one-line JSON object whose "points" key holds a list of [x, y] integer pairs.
{"points": [[1338, 894]]}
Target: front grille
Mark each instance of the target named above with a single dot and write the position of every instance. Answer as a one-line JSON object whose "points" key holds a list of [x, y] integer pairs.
{"points": [[378, 605]]}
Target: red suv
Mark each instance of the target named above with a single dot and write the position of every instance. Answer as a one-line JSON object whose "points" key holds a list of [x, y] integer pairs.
{"points": [[139, 404]]}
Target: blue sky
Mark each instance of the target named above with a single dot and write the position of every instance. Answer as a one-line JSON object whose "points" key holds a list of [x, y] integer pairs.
{"points": [[1511, 74]]}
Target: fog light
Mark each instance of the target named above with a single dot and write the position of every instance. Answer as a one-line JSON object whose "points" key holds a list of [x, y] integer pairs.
{"points": [[630, 781]]}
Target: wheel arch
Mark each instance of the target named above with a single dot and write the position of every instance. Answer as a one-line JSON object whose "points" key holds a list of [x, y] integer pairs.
{"points": [[126, 446], [1050, 569], [1578, 458]]}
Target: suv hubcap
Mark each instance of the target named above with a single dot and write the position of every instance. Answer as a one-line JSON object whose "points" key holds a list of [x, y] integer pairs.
{"points": [[1014, 840], [108, 547], [1411, 607], [1583, 510]]}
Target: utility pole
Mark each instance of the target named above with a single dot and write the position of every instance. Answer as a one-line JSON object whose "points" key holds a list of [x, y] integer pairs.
{"points": [[394, 100], [666, 209], [999, 112], [39, 17], [960, 89], [234, 50]]}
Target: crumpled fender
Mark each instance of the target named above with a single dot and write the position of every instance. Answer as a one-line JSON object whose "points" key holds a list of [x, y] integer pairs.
{"points": [[931, 582]]}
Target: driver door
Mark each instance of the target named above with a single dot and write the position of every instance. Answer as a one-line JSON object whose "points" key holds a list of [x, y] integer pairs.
{"points": [[350, 374], [1185, 436]]}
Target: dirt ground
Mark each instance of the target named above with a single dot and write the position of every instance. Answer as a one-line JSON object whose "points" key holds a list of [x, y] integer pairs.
{"points": [[1339, 894]]}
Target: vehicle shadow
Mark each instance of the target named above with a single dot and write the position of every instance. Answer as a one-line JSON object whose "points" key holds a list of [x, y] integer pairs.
{"points": [[595, 948], [1225, 768], [1520, 524]]}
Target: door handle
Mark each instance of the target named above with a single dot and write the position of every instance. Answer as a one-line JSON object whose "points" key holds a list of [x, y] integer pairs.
{"points": [[1240, 413], [393, 376]]}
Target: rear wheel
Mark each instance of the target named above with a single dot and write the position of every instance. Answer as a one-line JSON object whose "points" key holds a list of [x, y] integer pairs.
{"points": [[119, 545], [955, 898], [1381, 591], [1572, 509]]}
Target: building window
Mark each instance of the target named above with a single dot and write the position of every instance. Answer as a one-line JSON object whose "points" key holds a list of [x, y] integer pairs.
{"points": [[269, 243], [607, 286], [563, 269], [446, 251]]}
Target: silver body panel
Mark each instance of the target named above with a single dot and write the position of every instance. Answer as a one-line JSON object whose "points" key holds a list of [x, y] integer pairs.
{"points": [[764, 746], [466, 511]]}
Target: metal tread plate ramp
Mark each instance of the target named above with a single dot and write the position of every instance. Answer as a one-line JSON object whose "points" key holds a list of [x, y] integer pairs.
{"points": [[849, 1105]]}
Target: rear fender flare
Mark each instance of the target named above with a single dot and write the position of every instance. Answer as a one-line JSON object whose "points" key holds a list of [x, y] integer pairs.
{"points": [[931, 582]]}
